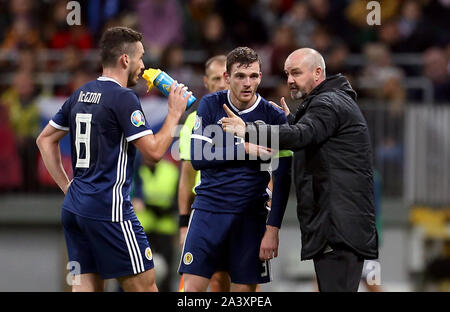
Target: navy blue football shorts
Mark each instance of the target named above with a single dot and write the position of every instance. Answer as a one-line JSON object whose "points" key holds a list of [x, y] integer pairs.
{"points": [[111, 249], [225, 242]]}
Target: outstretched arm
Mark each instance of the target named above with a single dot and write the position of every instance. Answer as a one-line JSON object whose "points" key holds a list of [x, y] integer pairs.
{"points": [[317, 125]]}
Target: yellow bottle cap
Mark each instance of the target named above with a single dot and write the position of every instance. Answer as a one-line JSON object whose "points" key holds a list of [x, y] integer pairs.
{"points": [[150, 75]]}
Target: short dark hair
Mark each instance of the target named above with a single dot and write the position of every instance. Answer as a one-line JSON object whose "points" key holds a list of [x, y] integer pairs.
{"points": [[115, 42], [243, 56]]}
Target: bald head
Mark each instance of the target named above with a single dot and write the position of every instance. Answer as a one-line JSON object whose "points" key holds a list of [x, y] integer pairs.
{"points": [[310, 58], [215, 68], [305, 69]]}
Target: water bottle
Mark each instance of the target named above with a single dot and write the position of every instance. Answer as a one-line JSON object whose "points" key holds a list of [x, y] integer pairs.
{"points": [[160, 79]]}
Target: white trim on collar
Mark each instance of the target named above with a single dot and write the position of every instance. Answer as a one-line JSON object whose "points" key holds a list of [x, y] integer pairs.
{"points": [[245, 111], [104, 78]]}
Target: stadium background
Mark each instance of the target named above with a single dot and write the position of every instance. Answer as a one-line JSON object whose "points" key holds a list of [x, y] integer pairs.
{"points": [[400, 70]]}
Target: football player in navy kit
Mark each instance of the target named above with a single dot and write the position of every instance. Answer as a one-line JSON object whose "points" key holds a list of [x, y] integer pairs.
{"points": [[103, 117], [229, 229]]}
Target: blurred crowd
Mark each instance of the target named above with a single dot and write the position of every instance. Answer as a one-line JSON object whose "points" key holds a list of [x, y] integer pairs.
{"points": [[404, 60]]}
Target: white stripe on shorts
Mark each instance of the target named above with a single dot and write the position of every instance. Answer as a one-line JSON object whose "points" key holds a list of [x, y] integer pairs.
{"points": [[125, 235], [138, 254]]}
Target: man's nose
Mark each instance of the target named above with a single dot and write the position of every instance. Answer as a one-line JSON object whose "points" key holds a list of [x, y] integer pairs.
{"points": [[290, 79], [222, 84]]}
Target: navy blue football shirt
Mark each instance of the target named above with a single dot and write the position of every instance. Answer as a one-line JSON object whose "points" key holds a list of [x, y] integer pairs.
{"points": [[230, 182], [103, 118]]}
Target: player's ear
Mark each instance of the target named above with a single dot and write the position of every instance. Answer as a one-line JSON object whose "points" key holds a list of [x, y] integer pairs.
{"points": [[318, 73], [227, 77], [124, 60], [205, 82]]}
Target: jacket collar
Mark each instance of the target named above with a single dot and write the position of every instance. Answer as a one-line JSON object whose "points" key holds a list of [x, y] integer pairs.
{"points": [[335, 82]]}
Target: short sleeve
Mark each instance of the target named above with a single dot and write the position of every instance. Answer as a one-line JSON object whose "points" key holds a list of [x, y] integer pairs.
{"points": [[130, 115], [61, 119]]}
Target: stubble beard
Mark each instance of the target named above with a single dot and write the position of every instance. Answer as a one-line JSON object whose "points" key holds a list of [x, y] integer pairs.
{"points": [[133, 77], [131, 82], [298, 95]]}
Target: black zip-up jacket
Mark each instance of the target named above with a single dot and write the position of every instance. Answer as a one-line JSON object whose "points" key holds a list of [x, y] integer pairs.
{"points": [[333, 172]]}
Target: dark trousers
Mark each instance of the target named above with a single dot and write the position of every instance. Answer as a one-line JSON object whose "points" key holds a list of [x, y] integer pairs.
{"points": [[338, 270]]}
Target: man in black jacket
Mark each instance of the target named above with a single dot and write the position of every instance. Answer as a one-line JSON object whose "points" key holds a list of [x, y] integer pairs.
{"points": [[333, 170]]}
